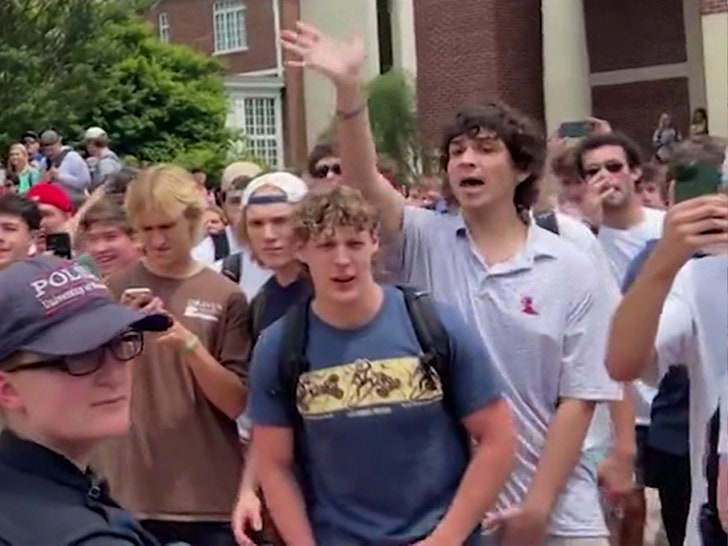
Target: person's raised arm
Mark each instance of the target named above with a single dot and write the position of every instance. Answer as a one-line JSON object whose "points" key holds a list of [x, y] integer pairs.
{"points": [[341, 62], [689, 226]]}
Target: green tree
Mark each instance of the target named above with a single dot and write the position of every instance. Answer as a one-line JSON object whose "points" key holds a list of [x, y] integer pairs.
{"points": [[77, 63], [393, 119]]}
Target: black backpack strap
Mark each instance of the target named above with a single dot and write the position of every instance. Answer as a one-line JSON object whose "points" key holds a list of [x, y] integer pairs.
{"points": [[222, 245], [56, 161], [434, 341], [548, 221], [292, 361], [232, 266], [257, 307]]}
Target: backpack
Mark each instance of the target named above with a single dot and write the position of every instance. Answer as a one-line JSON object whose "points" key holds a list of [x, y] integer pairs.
{"points": [[431, 335], [548, 221], [222, 245], [232, 265]]}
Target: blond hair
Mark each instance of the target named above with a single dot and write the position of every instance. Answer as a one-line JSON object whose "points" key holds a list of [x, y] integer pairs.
{"points": [[168, 189], [326, 209]]}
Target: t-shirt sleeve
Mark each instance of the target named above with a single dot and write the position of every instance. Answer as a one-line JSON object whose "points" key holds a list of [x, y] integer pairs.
{"points": [[584, 374], [233, 343], [636, 265], [675, 333], [408, 255], [475, 381], [266, 405]]}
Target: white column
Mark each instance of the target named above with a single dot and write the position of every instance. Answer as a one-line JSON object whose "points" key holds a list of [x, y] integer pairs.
{"points": [[694, 52], [403, 36], [715, 55], [566, 89]]}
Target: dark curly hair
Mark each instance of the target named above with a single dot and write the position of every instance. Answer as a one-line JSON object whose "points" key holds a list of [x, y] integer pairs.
{"points": [[522, 137]]}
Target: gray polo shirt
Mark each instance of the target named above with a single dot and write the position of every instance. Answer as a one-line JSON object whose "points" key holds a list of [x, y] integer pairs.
{"points": [[544, 317]]}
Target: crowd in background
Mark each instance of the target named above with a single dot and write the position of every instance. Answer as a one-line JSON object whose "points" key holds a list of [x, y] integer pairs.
{"points": [[590, 417]]}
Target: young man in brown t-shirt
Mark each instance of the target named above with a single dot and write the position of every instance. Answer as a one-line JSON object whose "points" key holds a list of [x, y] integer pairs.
{"points": [[178, 468]]}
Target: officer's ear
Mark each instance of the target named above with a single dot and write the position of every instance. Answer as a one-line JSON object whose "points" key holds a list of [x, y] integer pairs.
{"points": [[9, 397]]}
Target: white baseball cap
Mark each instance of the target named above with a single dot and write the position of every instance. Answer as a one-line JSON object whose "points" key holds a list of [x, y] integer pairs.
{"points": [[292, 189], [95, 133]]}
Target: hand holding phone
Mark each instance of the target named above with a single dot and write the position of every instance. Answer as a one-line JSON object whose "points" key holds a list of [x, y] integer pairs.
{"points": [[59, 244], [696, 180], [575, 129], [137, 298]]}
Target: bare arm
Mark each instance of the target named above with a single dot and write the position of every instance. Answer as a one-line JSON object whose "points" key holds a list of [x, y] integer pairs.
{"points": [[359, 157], [635, 323], [273, 449], [488, 471], [223, 388], [622, 417], [561, 452], [341, 63]]}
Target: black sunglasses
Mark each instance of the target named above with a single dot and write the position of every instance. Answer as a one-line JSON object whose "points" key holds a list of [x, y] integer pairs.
{"points": [[123, 348], [323, 170], [613, 167]]}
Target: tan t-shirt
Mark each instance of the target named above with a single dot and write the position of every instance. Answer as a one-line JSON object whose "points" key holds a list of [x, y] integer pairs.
{"points": [[182, 458]]}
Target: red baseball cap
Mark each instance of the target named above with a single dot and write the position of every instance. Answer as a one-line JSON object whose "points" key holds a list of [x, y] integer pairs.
{"points": [[50, 194]]}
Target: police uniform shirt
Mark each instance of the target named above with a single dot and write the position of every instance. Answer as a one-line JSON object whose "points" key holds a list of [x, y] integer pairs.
{"points": [[46, 499]]}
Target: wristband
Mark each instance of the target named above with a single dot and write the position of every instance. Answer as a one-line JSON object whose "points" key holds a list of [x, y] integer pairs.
{"points": [[352, 114], [190, 344]]}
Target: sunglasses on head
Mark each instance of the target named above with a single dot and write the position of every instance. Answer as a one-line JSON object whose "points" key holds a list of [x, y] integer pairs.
{"points": [[122, 348], [611, 166], [323, 170]]}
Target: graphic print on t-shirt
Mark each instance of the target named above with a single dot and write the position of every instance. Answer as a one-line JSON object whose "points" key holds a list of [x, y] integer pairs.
{"points": [[366, 387]]}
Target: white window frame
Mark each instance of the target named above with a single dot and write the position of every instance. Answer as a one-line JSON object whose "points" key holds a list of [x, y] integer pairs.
{"points": [[163, 27], [224, 13], [238, 94]]}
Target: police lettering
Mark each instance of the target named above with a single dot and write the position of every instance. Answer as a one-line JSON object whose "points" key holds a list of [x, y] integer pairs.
{"points": [[59, 279]]}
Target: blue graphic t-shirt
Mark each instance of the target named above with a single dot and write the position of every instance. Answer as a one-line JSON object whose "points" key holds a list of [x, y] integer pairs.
{"points": [[383, 457]]}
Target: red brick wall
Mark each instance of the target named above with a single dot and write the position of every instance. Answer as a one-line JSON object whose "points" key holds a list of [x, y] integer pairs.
{"points": [[713, 6], [634, 108], [476, 51], [191, 24], [633, 33]]}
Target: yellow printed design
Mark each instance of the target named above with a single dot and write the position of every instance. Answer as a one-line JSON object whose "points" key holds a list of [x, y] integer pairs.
{"points": [[366, 384]]}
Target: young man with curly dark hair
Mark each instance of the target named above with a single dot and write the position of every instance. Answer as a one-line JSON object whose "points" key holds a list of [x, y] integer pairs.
{"points": [[510, 279]]}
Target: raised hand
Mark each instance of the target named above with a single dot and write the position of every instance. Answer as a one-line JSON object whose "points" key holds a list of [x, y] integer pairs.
{"points": [[340, 61]]}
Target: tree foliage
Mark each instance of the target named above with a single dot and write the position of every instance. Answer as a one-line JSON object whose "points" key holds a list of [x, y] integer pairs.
{"points": [[393, 120], [72, 64]]}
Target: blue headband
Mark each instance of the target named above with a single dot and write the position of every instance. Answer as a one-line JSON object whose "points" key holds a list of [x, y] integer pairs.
{"points": [[267, 199]]}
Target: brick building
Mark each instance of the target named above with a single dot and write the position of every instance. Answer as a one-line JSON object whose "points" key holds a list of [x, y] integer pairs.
{"points": [[560, 60], [266, 102], [557, 60]]}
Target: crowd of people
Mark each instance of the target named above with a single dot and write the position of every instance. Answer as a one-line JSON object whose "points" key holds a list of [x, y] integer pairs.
{"points": [[526, 350]]}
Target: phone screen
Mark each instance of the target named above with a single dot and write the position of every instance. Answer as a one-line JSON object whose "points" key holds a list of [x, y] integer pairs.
{"points": [[696, 180], [575, 129], [59, 244]]}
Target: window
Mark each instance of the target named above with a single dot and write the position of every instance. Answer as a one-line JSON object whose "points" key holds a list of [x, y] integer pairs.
{"points": [[163, 24], [259, 117], [229, 26]]}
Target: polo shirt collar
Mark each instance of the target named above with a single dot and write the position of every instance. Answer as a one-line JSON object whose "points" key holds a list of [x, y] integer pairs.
{"points": [[539, 244]]}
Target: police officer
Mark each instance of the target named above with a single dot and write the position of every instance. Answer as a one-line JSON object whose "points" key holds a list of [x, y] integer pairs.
{"points": [[65, 383]]}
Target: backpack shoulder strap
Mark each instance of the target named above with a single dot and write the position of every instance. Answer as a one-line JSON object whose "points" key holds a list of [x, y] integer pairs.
{"points": [[257, 306], [434, 341], [222, 246], [430, 332], [548, 221], [292, 361], [232, 266], [56, 161]]}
